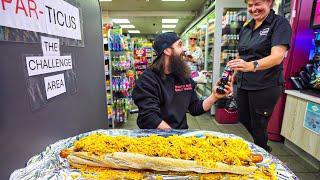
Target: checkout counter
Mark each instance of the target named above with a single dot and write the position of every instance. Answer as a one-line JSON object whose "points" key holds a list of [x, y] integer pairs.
{"points": [[293, 126]]}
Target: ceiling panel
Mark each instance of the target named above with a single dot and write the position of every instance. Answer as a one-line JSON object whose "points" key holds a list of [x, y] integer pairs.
{"points": [[152, 5], [146, 15], [153, 25]]}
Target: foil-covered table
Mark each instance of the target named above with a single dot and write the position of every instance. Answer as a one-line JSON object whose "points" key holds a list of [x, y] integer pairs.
{"points": [[49, 165]]}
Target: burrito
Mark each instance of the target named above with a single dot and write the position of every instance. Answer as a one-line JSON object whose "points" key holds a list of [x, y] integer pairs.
{"points": [[174, 153]]}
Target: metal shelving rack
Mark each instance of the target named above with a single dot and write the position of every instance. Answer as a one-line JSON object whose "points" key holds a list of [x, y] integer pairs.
{"points": [[107, 79], [119, 101]]}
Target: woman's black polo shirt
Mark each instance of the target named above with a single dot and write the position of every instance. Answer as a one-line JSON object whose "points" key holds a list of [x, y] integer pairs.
{"points": [[256, 44]]}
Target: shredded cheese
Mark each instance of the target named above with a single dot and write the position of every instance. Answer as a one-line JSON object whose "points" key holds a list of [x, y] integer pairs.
{"points": [[98, 173], [205, 151]]}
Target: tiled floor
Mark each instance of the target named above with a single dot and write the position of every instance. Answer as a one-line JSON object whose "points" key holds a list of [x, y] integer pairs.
{"points": [[206, 122]]}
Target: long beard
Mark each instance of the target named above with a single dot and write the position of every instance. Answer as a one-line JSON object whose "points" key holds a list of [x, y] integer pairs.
{"points": [[178, 67]]}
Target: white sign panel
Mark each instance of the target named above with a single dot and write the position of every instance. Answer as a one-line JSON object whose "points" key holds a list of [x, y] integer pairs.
{"points": [[62, 19], [55, 17], [55, 85], [23, 14], [50, 46], [47, 64]]}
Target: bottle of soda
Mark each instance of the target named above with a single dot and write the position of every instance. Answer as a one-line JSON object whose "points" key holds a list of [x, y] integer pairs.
{"points": [[227, 72]]}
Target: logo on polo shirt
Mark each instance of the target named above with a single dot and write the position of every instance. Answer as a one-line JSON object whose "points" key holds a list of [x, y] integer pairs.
{"points": [[264, 32], [185, 87]]}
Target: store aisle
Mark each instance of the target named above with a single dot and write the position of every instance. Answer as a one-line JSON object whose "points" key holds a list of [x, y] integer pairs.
{"points": [[205, 122]]}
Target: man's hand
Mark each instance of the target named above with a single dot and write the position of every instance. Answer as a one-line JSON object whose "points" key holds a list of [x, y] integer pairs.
{"points": [[228, 89], [163, 125], [241, 65]]}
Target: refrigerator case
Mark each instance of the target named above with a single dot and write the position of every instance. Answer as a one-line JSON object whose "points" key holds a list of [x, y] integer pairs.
{"points": [[232, 15], [232, 22], [219, 40], [206, 68], [202, 31], [210, 45]]}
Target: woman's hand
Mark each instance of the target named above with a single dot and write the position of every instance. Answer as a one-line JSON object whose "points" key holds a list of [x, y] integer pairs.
{"points": [[241, 65]]}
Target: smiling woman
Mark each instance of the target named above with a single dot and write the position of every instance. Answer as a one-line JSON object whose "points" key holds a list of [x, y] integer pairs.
{"points": [[265, 0], [263, 43], [259, 9]]}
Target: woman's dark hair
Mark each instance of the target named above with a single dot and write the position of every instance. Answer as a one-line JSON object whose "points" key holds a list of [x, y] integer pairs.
{"points": [[246, 1]]}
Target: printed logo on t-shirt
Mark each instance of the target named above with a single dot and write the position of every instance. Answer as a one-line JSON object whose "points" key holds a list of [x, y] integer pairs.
{"points": [[184, 87], [264, 32]]}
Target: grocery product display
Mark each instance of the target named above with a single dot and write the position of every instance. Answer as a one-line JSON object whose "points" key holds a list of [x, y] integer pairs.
{"points": [[232, 21], [218, 34], [143, 55], [121, 74]]}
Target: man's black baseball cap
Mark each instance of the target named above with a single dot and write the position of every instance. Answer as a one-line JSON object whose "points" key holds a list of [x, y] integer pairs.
{"points": [[163, 41]]}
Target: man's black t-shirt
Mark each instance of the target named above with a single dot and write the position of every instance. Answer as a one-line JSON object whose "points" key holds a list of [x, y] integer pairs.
{"points": [[167, 99], [256, 44]]}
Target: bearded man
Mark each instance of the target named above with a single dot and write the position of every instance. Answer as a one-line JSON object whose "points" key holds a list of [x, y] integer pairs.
{"points": [[165, 91]]}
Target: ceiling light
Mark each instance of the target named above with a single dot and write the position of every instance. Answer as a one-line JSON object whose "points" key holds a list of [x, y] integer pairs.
{"points": [[168, 26], [133, 31], [172, 0], [164, 31], [127, 26], [170, 21], [121, 21]]}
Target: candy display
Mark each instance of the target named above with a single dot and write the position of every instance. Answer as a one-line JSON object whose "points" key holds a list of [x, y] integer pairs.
{"points": [[120, 109], [143, 55], [121, 76]]}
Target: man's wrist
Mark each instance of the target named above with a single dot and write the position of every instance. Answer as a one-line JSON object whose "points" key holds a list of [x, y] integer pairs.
{"points": [[213, 98]]}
